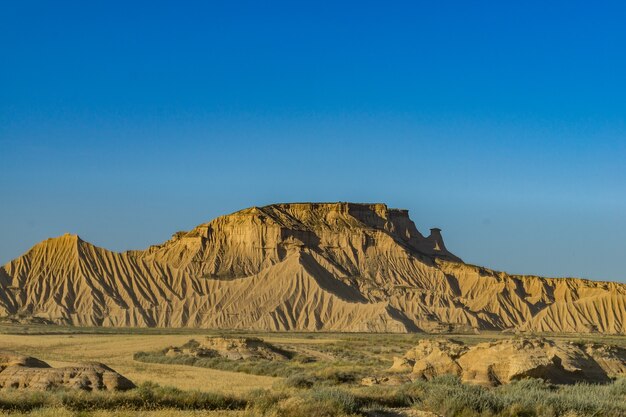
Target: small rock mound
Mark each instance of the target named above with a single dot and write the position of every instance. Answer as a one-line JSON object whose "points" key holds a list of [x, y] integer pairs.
{"points": [[496, 363], [437, 357], [232, 348], [24, 372], [385, 380], [8, 359]]}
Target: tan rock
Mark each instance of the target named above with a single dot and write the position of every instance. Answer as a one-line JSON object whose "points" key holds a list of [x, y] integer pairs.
{"points": [[231, 348], [8, 359], [402, 364], [435, 357], [612, 359], [22, 372], [503, 361], [370, 381], [238, 348], [173, 352]]}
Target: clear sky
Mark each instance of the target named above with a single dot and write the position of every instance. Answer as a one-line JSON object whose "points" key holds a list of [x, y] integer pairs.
{"points": [[503, 123]]}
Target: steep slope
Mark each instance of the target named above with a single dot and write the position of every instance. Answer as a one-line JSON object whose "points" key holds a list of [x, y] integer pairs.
{"points": [[327, 266]]}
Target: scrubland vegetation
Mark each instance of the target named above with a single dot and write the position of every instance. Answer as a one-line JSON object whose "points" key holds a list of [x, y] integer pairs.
{"points": [[145, 397], [322, 379], [444, 396]]}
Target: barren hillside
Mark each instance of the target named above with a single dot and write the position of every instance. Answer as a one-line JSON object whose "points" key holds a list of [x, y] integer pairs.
{"points": [[331, 267]]}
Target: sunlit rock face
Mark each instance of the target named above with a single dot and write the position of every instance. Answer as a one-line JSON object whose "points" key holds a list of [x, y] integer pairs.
{"points": [[303, 266], [25, 372], [504, 361]]}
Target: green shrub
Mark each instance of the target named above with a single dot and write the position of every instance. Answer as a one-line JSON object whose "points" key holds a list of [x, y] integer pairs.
{"points": [[191, 344], [300, 381], [525, 398], [146, 397], [390, 396], [23, 401], [263, 401], [149, 397], [248, 366], [336, 376], [340, 400], [312, 403]]}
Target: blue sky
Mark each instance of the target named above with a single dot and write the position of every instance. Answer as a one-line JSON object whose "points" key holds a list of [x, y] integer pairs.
{"points": [[503, 124]]}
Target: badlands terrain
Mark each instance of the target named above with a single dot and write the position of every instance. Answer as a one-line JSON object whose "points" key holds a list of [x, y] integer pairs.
{"points": [[302, 310], [306, 267]]}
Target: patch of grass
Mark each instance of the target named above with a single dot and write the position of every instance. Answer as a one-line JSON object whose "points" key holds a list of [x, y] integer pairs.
{"points": [[300, 381], [248, 366], [13, 400], [340, 400], [338, 376], [446, 396], [325, 402], [399, 396], [526, 398], [147, 396], [298, 374]]}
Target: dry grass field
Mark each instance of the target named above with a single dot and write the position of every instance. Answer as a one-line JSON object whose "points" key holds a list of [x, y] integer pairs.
{"points": [[117, 352]]}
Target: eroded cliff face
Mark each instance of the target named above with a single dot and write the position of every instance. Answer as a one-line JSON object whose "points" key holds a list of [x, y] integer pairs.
{"points": [[327, 266]]}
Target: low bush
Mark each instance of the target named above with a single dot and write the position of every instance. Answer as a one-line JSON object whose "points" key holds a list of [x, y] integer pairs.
{"points": [[340, 400], [325, 402], [448, 397], [390, 396], [526, 398], [337, 376], [147, 396], [24, 401], [249, 366], [300, 381]]}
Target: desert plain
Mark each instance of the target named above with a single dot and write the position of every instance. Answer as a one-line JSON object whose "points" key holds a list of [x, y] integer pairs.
{"points": [[336, 373]]}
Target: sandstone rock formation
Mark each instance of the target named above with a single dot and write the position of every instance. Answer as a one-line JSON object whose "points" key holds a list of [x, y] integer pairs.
{"points": [[431, 358], [232, 348], [9, 359], [329, 267], [610, 358], [496, 363], [243, 348], [23, 372]]}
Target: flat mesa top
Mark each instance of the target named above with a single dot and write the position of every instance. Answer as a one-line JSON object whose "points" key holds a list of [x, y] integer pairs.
{"points": [[336, 205]]}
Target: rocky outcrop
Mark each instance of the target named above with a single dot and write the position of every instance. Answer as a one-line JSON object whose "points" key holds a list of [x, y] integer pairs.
{"points": [[503, 361], [612, 359], [231, 348], [244, 348], [327, 267], [9, 359], [432, 358], [23, 372]]}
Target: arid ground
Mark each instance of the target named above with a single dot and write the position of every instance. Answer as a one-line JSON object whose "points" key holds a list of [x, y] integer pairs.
{"points": [[328, 369]]}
